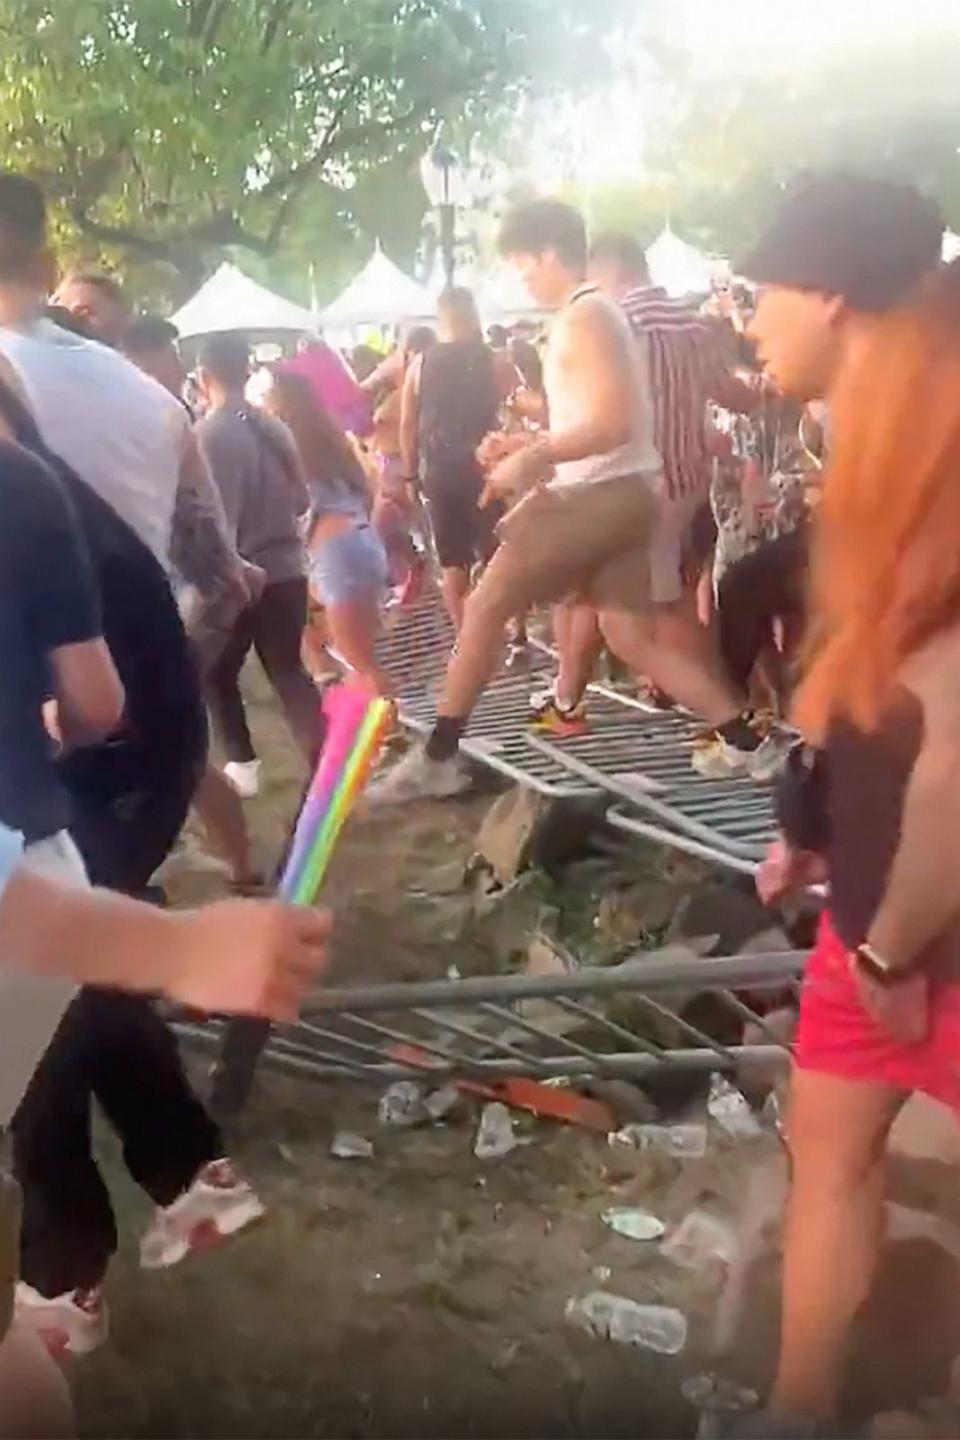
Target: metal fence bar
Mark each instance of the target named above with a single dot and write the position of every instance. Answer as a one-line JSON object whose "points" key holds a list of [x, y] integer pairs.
{"points": [[692, 1030], [399, 1037], [645, 971], [656, 982], [486, 1042], [547, 1067], [533, 1028], [750, 1017], [635, 1042], [670, 815], [635, 825]]}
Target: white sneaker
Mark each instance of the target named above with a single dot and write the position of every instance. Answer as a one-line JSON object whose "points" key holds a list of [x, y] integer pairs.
{"points": [[218, 1204], [416, 777], [74, 1323], [244, 776], [716, 759], [541, 700]]}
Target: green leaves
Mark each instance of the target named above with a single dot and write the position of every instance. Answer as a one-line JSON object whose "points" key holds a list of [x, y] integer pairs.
{"points": [[167, 129]]}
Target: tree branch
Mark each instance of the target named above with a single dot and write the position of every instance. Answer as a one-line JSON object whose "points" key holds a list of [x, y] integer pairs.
{"points": [[278, 14]]}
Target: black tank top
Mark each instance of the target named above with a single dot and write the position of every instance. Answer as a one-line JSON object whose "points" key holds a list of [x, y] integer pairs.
{"points": [[458, 403]]}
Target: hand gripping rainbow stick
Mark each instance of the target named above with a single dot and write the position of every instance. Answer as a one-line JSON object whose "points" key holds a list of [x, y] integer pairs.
{"points": [[356, 725]]}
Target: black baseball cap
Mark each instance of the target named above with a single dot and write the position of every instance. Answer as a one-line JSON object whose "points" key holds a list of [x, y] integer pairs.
{"points": [[866, 240]]}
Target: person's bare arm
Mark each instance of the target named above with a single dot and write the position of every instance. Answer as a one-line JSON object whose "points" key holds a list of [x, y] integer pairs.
{"points": [[410, 418], [87, 690], [238, 956], [922, 897]]}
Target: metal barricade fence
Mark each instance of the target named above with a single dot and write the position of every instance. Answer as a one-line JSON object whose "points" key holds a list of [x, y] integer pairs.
{"points": [[629, 1020]]}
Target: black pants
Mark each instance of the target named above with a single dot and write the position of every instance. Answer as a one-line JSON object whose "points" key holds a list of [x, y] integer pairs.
{"points": [[768, 584], [274, 627], [128, 809]]}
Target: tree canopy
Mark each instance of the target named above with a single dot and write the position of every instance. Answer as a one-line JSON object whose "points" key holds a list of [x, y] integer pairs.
{"points": [[727, 143], [164, 131]]}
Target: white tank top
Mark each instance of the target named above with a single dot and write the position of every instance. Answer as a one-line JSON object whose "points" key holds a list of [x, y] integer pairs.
{"points": [[118, 429], [638, 456]]}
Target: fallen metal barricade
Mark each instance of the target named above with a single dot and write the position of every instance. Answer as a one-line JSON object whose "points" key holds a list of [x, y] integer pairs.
{"points": [[729, 820], [639, 755], [519, 1025]]}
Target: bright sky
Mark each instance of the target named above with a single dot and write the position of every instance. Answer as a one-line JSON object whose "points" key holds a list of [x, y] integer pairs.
{"points": [[758, 31], [723, 35]]}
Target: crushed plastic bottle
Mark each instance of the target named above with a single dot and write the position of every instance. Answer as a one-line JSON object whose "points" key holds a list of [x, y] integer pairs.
{"points": [[495, 1137], [731, 1111], [347, 1146], [402, 1106], [614, 1317], [700, 1239], [712, 1391], [441, 1103], [633, 1223], [684, 1142]]}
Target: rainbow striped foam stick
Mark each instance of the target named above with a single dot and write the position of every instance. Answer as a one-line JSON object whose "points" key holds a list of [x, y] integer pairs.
{"points": [[356, 725]]}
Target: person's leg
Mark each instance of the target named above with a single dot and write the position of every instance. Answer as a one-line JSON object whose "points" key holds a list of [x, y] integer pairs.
{"points": [[390, 522], [278, 621], [35, 1400], [676, 627], [114, 1045], [67, 1231], [451, 504], [765, 584], [498, 595], [223, 693], [633, 639], [455, 587], [837, 1135], [579, 644], [354, 627], [166, 1134], [221, 813]]}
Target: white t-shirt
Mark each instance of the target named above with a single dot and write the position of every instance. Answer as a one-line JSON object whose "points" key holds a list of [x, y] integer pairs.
{"points": [[119, 430]]}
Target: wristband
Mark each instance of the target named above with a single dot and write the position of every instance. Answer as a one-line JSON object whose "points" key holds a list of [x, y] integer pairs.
{"points": [[877, 968]]}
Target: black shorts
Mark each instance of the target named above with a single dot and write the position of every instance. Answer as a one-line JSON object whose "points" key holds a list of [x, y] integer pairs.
{"points": [[462, 532]]}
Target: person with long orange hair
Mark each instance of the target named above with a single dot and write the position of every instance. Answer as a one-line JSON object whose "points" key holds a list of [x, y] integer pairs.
{"points": [[872, 801]]}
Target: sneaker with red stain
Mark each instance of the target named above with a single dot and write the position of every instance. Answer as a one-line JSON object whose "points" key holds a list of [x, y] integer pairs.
{"points": [[218, 1203], [74, 1323]]}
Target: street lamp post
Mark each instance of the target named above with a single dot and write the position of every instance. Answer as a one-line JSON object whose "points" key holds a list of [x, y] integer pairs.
{"points": [[443, 181]]}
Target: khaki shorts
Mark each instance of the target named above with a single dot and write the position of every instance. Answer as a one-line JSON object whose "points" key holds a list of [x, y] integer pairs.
{"points": [[589, 540], [668, 546]]}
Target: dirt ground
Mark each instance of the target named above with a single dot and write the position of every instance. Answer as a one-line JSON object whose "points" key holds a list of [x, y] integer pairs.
{"points": [[420, 1293]]}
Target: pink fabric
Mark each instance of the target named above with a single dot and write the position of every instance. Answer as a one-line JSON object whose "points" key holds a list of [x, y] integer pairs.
{"points": [[333, 384], [836, 1036]]}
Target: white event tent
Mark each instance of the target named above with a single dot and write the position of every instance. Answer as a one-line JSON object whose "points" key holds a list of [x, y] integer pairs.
{"points": [[381, 294], [681, 269], [230, 300]]}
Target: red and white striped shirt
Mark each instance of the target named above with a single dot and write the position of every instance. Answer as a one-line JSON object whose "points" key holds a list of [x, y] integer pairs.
{"points": [[683, 363]]}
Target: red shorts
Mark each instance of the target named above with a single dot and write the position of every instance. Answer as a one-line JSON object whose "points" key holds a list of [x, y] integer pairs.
{"points": [[837, 1036]]}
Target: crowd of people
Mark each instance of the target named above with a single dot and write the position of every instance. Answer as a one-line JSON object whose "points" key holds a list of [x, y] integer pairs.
{"points": [[653, 471]]}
